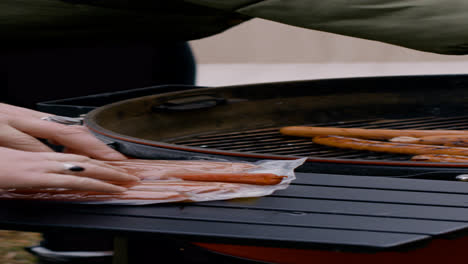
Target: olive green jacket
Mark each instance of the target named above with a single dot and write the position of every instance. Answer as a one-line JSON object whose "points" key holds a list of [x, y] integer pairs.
{"points": [[439, 26], [429, 25]]}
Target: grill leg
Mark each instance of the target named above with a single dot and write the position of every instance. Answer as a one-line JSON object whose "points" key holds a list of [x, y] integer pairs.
{"points": [[120, 250]]}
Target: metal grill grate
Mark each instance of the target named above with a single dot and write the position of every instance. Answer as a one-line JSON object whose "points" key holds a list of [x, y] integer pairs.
{"points": [[270, 141]]}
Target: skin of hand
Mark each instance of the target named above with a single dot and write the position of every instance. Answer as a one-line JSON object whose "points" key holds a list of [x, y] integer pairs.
{"points": [[38, 170], [20, 128]]}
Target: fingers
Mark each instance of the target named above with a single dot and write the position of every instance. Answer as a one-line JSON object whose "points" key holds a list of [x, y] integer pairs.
{"points": [[15, 139], [91, 170], [94, 168], [63, 157], [53, 180], [81, 152], [74, 137], [20, 111], [37, 170]]}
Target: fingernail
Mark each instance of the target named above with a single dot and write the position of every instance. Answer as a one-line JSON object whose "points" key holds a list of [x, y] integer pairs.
{"points": [[128, 177]]}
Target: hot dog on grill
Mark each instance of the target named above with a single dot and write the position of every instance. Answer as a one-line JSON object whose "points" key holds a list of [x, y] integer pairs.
{"points": [[444, 140], [389, 147], [305, 131]]}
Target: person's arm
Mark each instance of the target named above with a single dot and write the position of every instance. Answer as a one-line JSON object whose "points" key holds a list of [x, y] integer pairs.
{"points": [[438, 26]]}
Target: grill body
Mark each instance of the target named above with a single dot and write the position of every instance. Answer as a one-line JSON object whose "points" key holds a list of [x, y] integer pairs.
{"points": [[242, 122]]}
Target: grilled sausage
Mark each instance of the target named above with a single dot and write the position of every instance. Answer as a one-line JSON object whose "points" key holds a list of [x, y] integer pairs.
{"points": [[304, 131], [444, 140], [389, 147]]}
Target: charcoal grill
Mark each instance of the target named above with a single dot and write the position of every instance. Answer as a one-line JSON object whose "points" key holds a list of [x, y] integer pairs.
{"points": [[242, 122], [321, 217]]}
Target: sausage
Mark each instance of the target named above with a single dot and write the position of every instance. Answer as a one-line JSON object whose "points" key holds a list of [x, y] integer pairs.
{"points": [[247, 178], [192, 178], [304, 131], [159, 169], [185, 187], [444, 140], [197, 171], [177, 164], [440, 158], [389, 147]]}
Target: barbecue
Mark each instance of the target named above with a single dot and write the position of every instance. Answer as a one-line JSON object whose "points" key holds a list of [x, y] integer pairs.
{"points": [[343, 200], [243, 122]]}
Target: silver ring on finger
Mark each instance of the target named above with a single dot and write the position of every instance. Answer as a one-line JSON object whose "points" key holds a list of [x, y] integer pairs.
{"points": [[65, 120], [72, 167]]}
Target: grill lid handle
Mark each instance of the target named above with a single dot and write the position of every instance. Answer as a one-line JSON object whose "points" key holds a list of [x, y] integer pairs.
{"points": [[190, 103]]}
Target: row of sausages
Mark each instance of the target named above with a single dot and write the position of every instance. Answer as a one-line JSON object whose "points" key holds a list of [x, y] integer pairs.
{"points": [[425, 145]]}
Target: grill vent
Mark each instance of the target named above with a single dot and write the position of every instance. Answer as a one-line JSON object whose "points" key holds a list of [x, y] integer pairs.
{"points": [[270, 141]]}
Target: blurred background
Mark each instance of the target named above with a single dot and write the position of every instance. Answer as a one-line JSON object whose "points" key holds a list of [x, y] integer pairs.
{"points": [[264, 51]]}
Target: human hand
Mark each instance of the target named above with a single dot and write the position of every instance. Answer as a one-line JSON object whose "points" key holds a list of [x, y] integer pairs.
{"points": [[19, 128], [39, 170]]}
